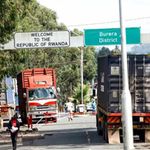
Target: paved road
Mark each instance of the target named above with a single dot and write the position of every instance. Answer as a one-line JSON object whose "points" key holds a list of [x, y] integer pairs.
{"points": [[79, 134]]}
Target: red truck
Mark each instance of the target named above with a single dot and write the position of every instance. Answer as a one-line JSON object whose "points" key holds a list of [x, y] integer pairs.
{"points": [[109, 91], [37, 95]]}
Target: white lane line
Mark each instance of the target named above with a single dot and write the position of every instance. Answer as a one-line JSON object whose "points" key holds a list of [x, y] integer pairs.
{"points": [[88, 138]]}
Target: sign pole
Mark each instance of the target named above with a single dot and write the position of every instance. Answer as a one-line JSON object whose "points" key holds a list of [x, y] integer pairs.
{"points": [[82, 75], [127, 122]]}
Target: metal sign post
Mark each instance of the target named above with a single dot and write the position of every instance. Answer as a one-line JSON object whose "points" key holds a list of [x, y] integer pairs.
{"points": [[82, 101], [126, 96]]}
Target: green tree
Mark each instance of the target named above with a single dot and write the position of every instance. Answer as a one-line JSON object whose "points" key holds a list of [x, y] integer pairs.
{"points": [[68, 70], [104, 51], [33, 17], [116, 51], [76, 32], [11, 12], [77, 93], [89, 63]]}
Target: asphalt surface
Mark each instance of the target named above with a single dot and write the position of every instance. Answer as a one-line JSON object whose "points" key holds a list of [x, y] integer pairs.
{"points": [[79, 134]]}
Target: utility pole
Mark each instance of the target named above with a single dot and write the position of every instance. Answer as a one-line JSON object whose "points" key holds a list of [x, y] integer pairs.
{"points": [[81, 69], [127, 122]]}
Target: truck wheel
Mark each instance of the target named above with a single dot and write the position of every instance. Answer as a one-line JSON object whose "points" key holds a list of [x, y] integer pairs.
{"points": [[99, 129], [99, 126], [142, 136], [105, 129], [105, 134], [23, 118]]}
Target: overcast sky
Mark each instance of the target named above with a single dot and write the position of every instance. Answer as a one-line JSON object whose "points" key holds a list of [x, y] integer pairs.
{"points": [[89, 14]]}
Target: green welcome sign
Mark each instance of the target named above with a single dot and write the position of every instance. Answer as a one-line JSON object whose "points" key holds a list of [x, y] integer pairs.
{"points": [[110, 36]]}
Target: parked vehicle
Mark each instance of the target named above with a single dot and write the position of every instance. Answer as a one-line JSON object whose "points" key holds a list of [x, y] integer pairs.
{"points": [[109, 118], [37, 94], [89, 107], [81, 108]]}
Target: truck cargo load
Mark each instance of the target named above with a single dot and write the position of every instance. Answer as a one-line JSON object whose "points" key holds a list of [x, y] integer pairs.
{"points": [[109, 93]]}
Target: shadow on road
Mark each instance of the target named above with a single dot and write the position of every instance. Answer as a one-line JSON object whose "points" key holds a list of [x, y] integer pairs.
{"points": [[72, 137]]}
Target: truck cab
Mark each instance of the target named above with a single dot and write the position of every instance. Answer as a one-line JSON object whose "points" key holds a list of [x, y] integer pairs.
{"points": [[37, 94]]}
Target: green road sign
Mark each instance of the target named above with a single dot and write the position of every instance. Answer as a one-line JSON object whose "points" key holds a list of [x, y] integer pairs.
{"points": [[112, 36]]}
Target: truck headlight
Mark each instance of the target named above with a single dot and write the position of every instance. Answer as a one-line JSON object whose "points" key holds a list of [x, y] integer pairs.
{"points": [[33, 108]]}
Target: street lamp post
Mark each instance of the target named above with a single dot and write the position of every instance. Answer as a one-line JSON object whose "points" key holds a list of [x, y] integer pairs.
{"points": [[126, 96]]}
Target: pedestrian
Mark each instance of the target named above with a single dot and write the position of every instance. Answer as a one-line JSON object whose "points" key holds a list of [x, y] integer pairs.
{"points": [[13, 127], [93, 105], [70, 107]]}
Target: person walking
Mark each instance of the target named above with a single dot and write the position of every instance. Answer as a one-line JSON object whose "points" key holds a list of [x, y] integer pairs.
{"points": [[70, 107], [13, 127]]}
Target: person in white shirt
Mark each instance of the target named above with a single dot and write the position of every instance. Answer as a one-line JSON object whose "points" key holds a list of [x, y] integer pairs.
{"points": [[70, 107]]}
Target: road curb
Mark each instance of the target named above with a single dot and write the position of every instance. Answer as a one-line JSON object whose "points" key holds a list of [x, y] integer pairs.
{"points": [[5, 139]]}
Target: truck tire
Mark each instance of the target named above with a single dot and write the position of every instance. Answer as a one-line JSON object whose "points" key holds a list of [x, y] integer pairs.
{"points": [[23, 117], [105, 134], [99, 126]]}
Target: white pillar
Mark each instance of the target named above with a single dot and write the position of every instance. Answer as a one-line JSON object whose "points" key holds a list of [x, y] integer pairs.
{"points": [[126, 96]]}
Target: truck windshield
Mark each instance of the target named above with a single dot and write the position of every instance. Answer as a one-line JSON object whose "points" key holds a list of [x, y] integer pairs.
{"points": [[41, 93]]}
